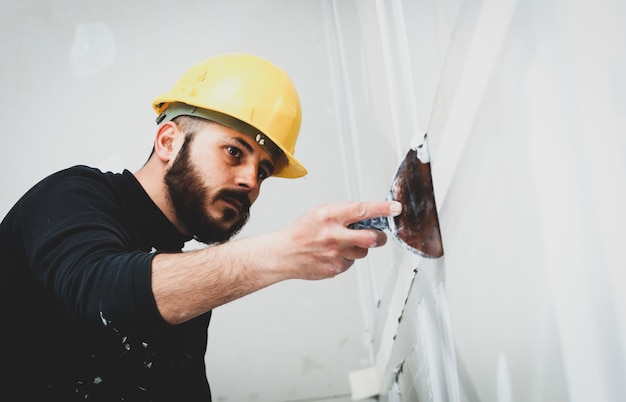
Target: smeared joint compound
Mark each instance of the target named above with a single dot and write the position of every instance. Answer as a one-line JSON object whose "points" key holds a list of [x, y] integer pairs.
{"points": [[406, 300], [420, 143], [395, 393], [104, 321]]}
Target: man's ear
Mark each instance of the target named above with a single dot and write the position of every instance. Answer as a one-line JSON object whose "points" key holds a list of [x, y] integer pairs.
{"points": [[167, 141]]}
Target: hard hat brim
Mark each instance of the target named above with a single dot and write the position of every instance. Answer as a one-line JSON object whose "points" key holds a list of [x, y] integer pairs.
{"points": [[287, 166]]}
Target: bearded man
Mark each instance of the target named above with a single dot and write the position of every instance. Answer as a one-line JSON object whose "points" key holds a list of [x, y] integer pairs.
{"points": [[98, 301]]}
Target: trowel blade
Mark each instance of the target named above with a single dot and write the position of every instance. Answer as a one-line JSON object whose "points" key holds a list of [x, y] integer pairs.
{"points": [[417, 227], [418, 224]]}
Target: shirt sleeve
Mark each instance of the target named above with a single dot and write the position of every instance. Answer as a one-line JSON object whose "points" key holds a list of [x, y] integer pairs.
{"points": [[78, 248]]}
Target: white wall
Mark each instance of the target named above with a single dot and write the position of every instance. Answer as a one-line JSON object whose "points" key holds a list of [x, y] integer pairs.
{"points": [[523, 101], [545, 154]]}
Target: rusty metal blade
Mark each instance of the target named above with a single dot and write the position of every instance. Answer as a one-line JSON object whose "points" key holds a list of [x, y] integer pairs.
{"points": [[417, 227], [418, 224]]}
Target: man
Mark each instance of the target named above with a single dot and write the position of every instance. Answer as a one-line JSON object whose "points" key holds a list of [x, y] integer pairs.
{"points": [[98, 301]]}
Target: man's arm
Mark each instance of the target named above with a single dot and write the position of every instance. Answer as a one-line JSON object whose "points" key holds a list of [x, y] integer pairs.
{"points": [[317, 246]]}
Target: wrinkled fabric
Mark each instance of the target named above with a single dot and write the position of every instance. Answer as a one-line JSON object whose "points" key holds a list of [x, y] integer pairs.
{"points": [[79, 320]]}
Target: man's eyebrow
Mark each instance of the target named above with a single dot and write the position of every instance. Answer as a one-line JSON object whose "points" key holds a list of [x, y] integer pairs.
{"points": [[265, 163], [245, 145]]}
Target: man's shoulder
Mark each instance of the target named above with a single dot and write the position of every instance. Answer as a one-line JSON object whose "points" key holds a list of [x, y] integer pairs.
{"points": [[75, 182], [80, 171], [82, 174]]}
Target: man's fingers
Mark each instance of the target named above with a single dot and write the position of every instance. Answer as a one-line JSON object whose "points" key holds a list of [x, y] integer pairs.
{"points": [[368, 238], [372, 209]]}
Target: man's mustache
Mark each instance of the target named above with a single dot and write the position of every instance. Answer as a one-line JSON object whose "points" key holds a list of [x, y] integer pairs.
{"points": [[239, 195]]}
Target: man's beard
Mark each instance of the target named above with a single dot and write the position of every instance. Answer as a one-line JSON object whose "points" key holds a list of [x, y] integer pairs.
{"points": [[188, 196]]}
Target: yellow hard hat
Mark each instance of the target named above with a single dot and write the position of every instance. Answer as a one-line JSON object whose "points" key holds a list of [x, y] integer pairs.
{"points": [[246, 93]]}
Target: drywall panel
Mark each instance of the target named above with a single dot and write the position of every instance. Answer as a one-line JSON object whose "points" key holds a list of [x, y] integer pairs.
{"points": [[522, 101], [521, 219], [504, 337]]}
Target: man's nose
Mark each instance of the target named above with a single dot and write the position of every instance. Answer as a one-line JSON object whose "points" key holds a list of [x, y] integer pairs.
{"points": [[248, 176]]}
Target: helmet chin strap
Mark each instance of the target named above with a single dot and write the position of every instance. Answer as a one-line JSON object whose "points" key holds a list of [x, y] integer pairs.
{"points": [[176, 109]]}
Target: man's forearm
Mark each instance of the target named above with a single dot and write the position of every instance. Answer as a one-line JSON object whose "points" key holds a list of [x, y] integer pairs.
{"points": [[188, 284], [319, 245]]}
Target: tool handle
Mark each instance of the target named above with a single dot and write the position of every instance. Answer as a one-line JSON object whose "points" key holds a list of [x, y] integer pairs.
{"points": [[379, 223]]}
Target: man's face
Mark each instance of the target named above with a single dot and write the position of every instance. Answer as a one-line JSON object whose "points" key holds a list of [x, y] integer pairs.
{"points": [[213, 181]]}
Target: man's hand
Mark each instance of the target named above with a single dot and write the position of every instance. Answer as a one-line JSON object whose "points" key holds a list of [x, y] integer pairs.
{"points": [[320, 245]]}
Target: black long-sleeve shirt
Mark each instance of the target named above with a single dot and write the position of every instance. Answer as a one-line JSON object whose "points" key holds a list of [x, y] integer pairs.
{"points": [[79, 320]]}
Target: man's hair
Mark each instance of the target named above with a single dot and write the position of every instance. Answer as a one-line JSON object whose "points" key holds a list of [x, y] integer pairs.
{"points": [[189, 125]]}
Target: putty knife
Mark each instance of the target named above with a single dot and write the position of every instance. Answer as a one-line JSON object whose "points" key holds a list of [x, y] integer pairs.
{"points": [[417, 227]]}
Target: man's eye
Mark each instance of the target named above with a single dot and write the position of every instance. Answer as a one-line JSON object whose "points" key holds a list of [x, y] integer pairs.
{"points": [[236, 152], [263, 174]]}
